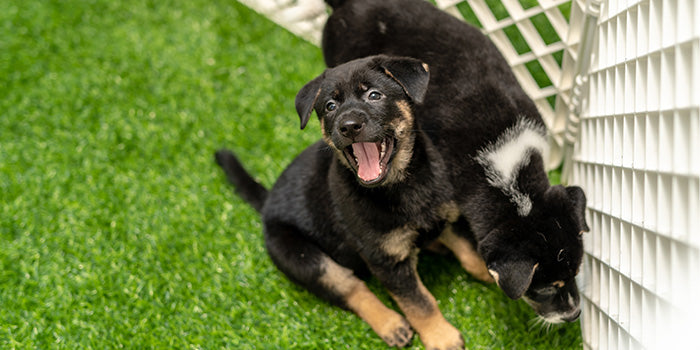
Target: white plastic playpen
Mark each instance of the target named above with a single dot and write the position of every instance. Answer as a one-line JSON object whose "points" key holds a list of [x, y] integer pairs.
{"points": [[618, 85]]}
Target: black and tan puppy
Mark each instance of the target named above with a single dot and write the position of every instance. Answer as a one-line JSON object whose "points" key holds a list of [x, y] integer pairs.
{"points": [[364, 199], [492, 140]]}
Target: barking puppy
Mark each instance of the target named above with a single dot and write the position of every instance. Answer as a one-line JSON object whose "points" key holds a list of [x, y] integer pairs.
{"points": [[364, 199], [492, 140]]}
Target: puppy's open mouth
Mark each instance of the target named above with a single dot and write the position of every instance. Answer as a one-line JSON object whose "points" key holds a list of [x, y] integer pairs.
{"points": [[370, 160]]}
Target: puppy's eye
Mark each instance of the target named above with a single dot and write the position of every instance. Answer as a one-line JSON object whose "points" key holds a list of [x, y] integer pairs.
{"points": [[374, 96], [331, 106]]}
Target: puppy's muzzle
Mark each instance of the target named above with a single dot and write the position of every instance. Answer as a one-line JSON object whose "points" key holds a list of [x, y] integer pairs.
{"points": [[573, 317], [352, 124]]}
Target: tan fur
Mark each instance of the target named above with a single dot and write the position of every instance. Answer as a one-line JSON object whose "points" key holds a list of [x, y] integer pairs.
{"points": [[436, 247], [494, 274], [449, 211], [338, 153], [403, 149], [467, 255], [399, 243], [558, 284], [340, 279], [384, 321]]}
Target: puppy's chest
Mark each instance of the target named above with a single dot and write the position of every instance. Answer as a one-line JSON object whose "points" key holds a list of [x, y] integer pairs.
{"points": [[401, 241]]}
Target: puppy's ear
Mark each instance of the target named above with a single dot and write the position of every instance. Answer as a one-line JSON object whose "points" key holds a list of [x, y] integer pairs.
{"points": [[513, 274], [578, 199], [410, 73], [306, 99], [507, 263]]}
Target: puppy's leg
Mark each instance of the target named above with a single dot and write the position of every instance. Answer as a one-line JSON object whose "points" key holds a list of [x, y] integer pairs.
{"points": [[466, 254], [436, 247], [387, 323], [304, 263], [417, 304]]}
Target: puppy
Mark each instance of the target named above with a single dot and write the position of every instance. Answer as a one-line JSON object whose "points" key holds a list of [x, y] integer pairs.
{"points": [[492, 140], [364, 199]]}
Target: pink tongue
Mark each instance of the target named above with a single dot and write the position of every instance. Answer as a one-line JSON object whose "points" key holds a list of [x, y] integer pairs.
{"points": [[368, 158]]}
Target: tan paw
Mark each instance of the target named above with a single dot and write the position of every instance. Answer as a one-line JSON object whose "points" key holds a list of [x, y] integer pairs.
{"points": [[396, 332], [443, 337]]}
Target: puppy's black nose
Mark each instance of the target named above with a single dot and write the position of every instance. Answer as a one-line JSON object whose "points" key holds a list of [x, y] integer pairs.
{"points": [[351, 127], [573, 317]]}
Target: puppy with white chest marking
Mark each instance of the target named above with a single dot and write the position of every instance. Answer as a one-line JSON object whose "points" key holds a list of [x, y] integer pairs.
{"points": [[492, 140], [364, 199]]}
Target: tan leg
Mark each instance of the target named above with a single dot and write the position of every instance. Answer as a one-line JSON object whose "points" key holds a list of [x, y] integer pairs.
{"points": [[387, 323], [437, 247], [425, 317], [466, 254], [405, 286]]}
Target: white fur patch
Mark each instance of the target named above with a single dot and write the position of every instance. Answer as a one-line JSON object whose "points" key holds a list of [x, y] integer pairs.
{"points": [[504, 158]]}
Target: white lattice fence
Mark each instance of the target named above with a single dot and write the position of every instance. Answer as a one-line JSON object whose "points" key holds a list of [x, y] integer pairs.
{"points": [[535, 40], [638, 158], [305, 18]]}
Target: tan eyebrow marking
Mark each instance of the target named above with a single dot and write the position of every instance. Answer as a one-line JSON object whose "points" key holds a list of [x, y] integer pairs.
{"points": [[558, 284]]}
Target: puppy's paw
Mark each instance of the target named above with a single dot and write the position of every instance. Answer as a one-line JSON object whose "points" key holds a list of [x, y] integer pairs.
{"points": [[443, 337], [396, 332]]}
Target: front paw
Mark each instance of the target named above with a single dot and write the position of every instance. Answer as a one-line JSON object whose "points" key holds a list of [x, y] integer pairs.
{"points": [[396, 332], [443, 337]]}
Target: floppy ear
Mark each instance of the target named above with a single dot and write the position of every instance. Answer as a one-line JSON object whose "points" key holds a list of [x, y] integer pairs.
{"points": [[410, 73], [513, 275], [578, 199], [306, 98], [512, 270]]}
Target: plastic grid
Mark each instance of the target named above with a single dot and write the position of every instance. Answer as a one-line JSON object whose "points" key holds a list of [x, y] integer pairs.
{"points": [[534, 36], [304, 18], [638, 158]]}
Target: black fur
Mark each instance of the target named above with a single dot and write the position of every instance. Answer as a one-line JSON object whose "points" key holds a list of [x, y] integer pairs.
{"points": [[246, 187], [472, 99]]}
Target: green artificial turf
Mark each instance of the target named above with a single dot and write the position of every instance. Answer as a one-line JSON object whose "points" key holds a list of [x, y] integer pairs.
{"points": [[116, 227]]}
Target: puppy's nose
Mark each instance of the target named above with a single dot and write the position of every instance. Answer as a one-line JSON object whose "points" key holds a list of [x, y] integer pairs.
{"points": [[351, 127], [573, 316]]}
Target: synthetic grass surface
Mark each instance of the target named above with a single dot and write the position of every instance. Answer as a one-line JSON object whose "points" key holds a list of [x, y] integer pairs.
{"points": [[116, 227]]}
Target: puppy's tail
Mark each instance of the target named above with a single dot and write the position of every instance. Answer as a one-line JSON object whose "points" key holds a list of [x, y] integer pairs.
{"points": [[335, 3], [245, 186]]}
